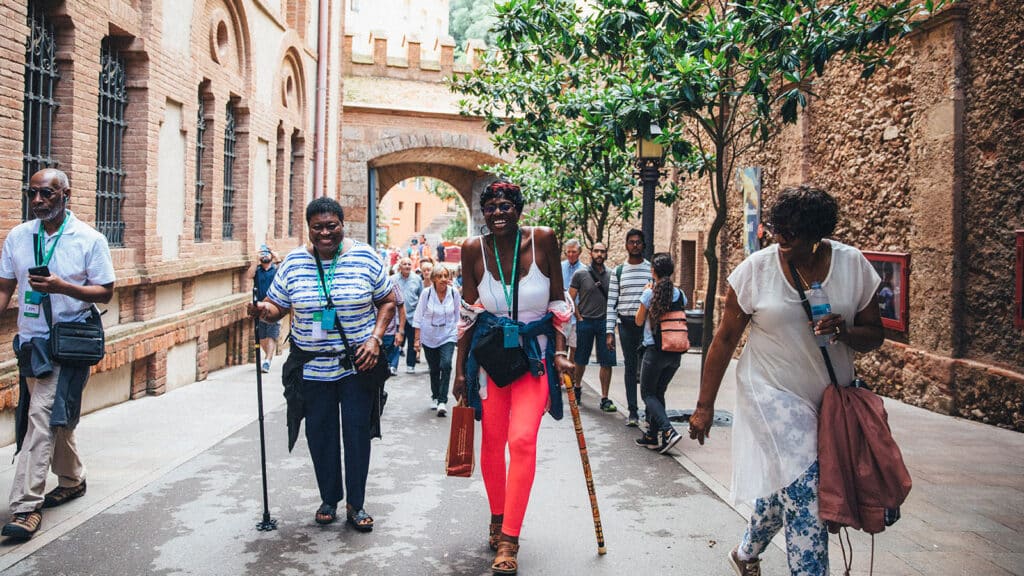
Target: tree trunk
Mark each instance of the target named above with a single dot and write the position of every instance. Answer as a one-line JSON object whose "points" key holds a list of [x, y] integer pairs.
{"points": [[711, 254]]}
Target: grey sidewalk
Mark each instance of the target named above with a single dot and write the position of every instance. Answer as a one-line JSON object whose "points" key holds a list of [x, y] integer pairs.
{"points": [[964, 516]]}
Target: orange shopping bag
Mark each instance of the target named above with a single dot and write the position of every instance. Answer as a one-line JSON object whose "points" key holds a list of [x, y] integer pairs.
{"points": [[460, 443]]}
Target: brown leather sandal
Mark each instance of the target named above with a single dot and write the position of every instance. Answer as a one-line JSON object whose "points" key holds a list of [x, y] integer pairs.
{"points": [[505, 561], [23, 526], [494, 535]]}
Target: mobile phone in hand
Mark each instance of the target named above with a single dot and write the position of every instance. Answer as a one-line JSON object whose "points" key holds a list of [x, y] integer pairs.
{"points": [[39, 271]]}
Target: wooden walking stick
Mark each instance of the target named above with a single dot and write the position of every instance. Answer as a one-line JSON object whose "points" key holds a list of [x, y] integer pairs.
{"points": [[582, 442]]}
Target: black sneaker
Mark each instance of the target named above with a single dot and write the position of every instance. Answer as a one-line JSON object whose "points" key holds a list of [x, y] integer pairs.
{"points": [[579, 395], [669, 438], [607, 405], [649, 442]]}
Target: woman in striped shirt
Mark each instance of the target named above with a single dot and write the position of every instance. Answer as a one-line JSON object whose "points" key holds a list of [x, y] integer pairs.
{"points": [[341, 301]]}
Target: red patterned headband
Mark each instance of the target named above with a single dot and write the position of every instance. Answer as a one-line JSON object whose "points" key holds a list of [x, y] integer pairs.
{"points": [[504, 187]]}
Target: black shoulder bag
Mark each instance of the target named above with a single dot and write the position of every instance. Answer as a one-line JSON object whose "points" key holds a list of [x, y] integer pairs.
{"points": [[75, 343], [503, 364]]}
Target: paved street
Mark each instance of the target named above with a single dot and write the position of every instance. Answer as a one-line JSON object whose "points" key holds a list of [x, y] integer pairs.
{"points": [[174, 488], [175, 507]]}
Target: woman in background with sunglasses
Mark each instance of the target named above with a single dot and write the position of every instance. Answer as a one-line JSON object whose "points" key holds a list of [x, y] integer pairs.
{"points": [[492, 264], [436, 322], [781, 376]]}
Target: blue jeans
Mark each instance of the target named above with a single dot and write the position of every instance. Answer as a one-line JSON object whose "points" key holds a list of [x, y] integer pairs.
{"points": [[354, 396], [390, 350], [656, 371], [591, 332], [440, 362]]}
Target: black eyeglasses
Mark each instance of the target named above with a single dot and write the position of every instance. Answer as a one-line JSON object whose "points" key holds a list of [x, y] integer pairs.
{"points": [[635, 242], [502, 207], [45, 192]]}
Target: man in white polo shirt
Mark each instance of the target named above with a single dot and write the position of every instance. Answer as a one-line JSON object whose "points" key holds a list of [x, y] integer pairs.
{"points": [[72, 270]]}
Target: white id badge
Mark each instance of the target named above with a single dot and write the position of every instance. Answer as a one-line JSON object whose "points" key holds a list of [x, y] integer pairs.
{"points": [[30, 310], [318, 331]]}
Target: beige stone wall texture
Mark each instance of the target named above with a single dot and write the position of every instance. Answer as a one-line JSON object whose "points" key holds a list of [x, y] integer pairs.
{"points": [[251, 53], [925, 159]]}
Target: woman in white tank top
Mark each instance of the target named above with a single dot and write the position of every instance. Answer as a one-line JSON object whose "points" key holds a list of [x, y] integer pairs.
{"points": [[487, 264]]}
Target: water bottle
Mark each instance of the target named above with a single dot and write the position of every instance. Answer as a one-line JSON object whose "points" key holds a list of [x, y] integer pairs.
{"points": [[819, 309]]}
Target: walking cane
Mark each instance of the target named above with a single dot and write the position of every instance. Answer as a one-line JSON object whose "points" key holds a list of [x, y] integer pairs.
{"points": [[575, 409], [268, 523]]}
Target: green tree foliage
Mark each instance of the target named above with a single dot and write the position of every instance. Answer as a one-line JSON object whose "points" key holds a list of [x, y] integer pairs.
{"points": [[543, 98], [457, 229], [719, 77]]}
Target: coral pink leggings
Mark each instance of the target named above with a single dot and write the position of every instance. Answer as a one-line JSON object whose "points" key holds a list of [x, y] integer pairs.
{"points": [[511, 416]]}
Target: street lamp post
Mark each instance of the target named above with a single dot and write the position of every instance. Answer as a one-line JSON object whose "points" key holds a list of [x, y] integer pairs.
{"points": [[649, 161]]}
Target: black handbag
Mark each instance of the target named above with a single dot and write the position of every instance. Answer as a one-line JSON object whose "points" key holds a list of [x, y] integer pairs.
{"points": [[503, 365], [76, 343]]}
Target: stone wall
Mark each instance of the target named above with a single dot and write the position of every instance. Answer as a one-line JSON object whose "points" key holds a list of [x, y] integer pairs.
{"points": [[925, 159]]}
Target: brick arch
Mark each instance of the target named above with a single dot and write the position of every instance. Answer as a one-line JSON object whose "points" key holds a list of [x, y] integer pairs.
{"points": [[232, 13], [291, 67]]}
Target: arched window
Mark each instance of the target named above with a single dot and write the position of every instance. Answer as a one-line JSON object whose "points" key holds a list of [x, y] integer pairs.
{"points": [[200, 153], [41, 76], [109, 162], [228, 229], [291, 184]]}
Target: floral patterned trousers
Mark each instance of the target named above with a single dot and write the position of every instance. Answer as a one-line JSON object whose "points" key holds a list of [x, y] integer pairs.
{"points": [[796, 508]]}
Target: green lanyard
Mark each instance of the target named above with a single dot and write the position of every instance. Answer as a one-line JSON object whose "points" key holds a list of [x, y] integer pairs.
{"points": [[507, 289], [327, 278], [42, 256]]}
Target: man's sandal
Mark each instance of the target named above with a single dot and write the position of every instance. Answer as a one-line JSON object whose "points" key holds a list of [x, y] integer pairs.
{"points": [[505, 561], [63, 494], [494, 535], [24, 525], [326, 514], [359, 520]]}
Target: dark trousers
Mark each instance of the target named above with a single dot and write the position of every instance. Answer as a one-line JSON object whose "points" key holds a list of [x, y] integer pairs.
{"points": [[410, 344], [630, 337], [656, 371], [440, 362], [390, 351], [354, 396]]}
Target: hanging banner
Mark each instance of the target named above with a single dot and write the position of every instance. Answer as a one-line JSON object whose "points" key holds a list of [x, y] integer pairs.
{"points": [[748, 180]]}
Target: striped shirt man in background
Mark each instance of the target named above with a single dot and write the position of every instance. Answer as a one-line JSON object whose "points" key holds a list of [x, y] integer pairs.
{"points": [[628, 281]]}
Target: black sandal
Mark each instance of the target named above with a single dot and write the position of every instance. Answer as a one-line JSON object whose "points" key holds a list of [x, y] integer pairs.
{"points": [[326, 514], [359, 520]]}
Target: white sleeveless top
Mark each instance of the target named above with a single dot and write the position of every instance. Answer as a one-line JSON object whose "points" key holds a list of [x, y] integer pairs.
{"points": [[534, 290]]}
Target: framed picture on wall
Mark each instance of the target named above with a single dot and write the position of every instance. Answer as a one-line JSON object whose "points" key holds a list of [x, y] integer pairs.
{"points": [[893, 291], [1018, 301]]}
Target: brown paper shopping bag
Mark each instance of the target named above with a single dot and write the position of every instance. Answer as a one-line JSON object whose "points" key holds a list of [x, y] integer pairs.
{"points": [[460, 442]]}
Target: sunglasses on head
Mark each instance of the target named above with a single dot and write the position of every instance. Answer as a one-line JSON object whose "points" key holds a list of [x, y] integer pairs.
{"points": [[503, 207], [45, 192], [781, 231]]}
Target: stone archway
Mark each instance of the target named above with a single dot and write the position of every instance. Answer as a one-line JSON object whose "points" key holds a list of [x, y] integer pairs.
{"points": [[383, 147]]}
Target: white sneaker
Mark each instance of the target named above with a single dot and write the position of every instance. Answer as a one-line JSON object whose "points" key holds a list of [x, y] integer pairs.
{"points": [[410, 369], [433, 404], [394, 371], [266, 366], [442, 410]]}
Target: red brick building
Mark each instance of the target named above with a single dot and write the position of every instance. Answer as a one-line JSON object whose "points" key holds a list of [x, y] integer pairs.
{"points": [[188, 131]]}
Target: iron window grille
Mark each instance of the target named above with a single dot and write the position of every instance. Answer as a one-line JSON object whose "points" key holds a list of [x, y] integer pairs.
{"points": [[291, 186], [200, 152], [110, 171], [41, 76], [228, 230]]}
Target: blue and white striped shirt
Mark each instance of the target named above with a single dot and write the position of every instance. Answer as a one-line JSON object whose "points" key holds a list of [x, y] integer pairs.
{"points": [[360, 278]]}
